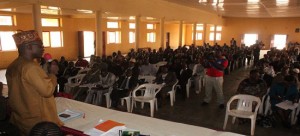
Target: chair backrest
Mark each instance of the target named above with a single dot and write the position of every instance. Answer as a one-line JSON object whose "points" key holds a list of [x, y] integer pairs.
{"points": [[77, 79], [150, 90], [174, 86], [245, 102], [148, 79], [83, 71]]}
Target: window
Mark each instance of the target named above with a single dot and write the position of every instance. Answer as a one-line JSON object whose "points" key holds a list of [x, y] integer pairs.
{"points": [[150, 26], [218, 36], [88, 42], [7, 42], [211, 36], [250, 39], [131, 25], [131, 37], [198, 36], [113, 37], [6, 20], [52, 39], [279, 41], [151, 37], [112, 25], [199, 27], [51, 22], [212, 33]]}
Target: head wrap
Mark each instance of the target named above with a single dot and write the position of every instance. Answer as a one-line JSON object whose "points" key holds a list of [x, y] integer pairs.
{"points": [[25, 37], [47, 57]]}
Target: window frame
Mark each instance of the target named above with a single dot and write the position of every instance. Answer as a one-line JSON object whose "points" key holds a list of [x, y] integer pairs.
{"points": [[14, 44], [50, 39], [58, 22], [11, 20], [116, 34]]}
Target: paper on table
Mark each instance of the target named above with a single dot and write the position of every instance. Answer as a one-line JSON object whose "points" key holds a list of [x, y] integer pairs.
{"points": [[106, 128], [72, 115], [287, 105]]}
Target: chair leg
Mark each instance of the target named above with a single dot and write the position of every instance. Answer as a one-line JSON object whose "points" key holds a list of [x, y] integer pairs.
{"points": [[122, 101], [152, 107], [171, 98], [233, 120], [108, 101], [174, 96], [156, 104], [253, 126], [142, 105], [132, 102], [187, 91], [225, 121], [128, 104]]}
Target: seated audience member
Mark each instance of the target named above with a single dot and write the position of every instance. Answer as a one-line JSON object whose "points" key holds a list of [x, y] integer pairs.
{"points": [[279, 78], [70, 71], [91, 77], [253, 85], [269, 73], [295, 72], [104, 85], [62, 64], [81, 62], [198, 74], [167, 79], [184, 76], [286, 90], [147, 69], [45, 129], [134, 68], [123, 87]]}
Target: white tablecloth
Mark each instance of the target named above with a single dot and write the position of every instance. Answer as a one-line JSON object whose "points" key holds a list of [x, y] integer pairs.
{"points": [[146, 125]]}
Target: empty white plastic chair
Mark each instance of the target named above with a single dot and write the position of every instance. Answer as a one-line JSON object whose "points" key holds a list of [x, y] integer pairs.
{"points": [[147, 79], [172, 93], [149, 95], [243, 109]]}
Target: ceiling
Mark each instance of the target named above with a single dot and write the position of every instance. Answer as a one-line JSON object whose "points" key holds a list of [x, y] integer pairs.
{"points": [[246, 8], [224, 8]]}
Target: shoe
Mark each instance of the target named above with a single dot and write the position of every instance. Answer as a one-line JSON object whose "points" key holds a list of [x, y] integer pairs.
{"points": [[221, 106], [204, 104]]}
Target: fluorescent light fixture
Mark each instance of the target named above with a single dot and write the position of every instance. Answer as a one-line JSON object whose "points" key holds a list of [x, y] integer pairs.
{"points": [[53, 8], [84, 11], [253, 1], [50, 11], [6, 9], [150, 18], [113, 18], [202, 1]]}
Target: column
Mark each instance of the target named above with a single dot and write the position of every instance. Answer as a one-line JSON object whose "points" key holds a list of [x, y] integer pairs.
{"points": [[180, 32], [37, 20], [194, 33], [204, 33], [99, 39], [137, 31], [162, 32]]}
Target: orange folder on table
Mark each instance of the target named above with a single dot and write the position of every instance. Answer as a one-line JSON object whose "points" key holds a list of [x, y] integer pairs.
{"points": [[107, 125]]}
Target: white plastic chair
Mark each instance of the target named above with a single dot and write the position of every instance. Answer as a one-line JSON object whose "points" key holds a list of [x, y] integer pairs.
{"points": [[172, 93], [128, 101], [243, 110], [149, 79], [294, 114], [265, 107], [188, 86], [150, 91], [83, 71], [77, 80]]}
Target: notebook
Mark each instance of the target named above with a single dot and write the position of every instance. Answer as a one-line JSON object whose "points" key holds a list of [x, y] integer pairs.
{"points": [[69, 114]]}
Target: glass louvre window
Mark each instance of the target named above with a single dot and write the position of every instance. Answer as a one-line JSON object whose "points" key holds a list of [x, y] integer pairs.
{"points": [[7, 42], [112, 25], [6, 20], [113, 37], [199, 27], [131, 37], [151, 37], [250, 39], [218, 36], [52, 39], [198, 36], [211, 36], [150, 26], [280, 41], [50, 22], [131, 25]]}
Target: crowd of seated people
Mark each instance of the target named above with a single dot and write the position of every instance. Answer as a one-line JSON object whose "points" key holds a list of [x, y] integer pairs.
{"points": [[278, 71]]}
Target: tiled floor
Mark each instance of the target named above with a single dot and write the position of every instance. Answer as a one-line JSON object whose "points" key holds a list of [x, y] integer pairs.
{"points": [[190, 111]]}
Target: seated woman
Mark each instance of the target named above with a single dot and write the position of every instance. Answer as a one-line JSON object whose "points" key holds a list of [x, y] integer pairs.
{"points": [[286, 90]]}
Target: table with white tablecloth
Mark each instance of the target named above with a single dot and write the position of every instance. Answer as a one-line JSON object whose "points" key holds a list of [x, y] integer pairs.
{"points": [[146, 125]]}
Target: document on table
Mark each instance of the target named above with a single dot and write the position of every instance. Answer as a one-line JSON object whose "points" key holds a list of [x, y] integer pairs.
{"points": [[287, 105], [106, 128], [69, 114]]}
